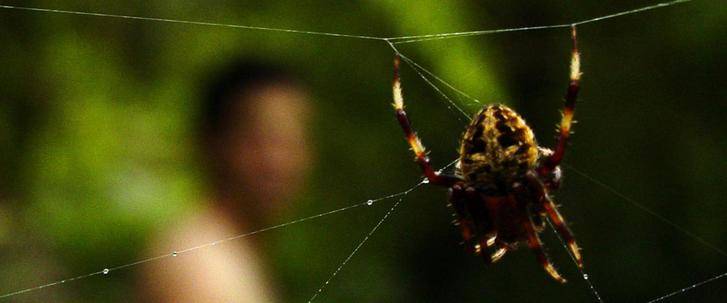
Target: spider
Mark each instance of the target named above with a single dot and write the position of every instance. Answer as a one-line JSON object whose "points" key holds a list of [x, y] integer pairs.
{"points": [[501, 184]]}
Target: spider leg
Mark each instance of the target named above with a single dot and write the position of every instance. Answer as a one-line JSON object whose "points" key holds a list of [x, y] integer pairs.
{"points": [[537, 247], [550, 164], [477, 236], [490, 241], [486, 242], [560, 226], [463, 220], [484, 228], [494, 257], [420, 152], [563, 230]]}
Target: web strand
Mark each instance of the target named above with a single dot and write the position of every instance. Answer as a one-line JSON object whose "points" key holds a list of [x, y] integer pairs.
{"points": [[416, 66], [584, 274], [420, 38], [401, 196], [109, 270], [688, 288], [394, 40], [360, 244], [648, 211], [189, 22]]}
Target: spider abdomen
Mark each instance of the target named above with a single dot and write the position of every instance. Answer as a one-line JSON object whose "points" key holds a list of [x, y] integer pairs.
{"points": [[497, 147]]}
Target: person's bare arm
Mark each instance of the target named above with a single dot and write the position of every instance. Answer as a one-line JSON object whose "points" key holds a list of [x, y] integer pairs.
{"points": [[227, 272]]}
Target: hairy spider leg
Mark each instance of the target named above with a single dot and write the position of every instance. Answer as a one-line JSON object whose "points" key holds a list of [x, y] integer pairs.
{"points": [[564, 129], [477, 236], [485, 226], [498, 254], [464, 219], [563, 230], [537, 247], [415, 143], [555, 217]]}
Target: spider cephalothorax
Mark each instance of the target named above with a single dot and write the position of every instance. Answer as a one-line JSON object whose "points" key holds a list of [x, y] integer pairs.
{"points": [[500, 189]]}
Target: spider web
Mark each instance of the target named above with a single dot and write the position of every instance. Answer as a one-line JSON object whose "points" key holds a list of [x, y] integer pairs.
{"points": [[441, 87]]}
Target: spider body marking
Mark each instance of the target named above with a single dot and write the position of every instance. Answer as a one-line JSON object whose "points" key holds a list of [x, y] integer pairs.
{"points": [[500, 190], [497, 148]]}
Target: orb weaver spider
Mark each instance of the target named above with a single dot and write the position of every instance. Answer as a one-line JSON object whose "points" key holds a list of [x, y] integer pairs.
{"points": [[501, 185]]}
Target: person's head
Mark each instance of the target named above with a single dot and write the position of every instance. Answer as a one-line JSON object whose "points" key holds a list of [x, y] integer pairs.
{"points": [[254, 134]]}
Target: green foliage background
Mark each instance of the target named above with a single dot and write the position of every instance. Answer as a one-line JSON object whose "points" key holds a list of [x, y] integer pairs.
{"points": [[96, 147]]}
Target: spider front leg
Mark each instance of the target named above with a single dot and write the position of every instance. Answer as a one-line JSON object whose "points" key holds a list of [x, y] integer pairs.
{"points": [[416, 145], [551, 163]]}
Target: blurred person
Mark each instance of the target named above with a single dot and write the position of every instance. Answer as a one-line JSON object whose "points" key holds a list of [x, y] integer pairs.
{"points": [[255, 152]]}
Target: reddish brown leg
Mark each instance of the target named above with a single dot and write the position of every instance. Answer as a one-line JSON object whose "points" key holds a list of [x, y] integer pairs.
{"points": [[537, 247], [563, 230], [463, 220], [416, 145], [566, 121], [538, 188], [484, 226]]}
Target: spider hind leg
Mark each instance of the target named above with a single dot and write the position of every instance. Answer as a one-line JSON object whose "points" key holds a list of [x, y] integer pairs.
{"points": [[563, 231], [537, 247], [548, 206]]}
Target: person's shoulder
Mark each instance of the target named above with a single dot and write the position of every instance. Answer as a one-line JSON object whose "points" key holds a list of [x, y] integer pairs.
{"points": [[204, 225]]}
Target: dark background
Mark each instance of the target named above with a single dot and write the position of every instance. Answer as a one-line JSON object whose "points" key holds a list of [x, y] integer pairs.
{"points": [[97, 149]]}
